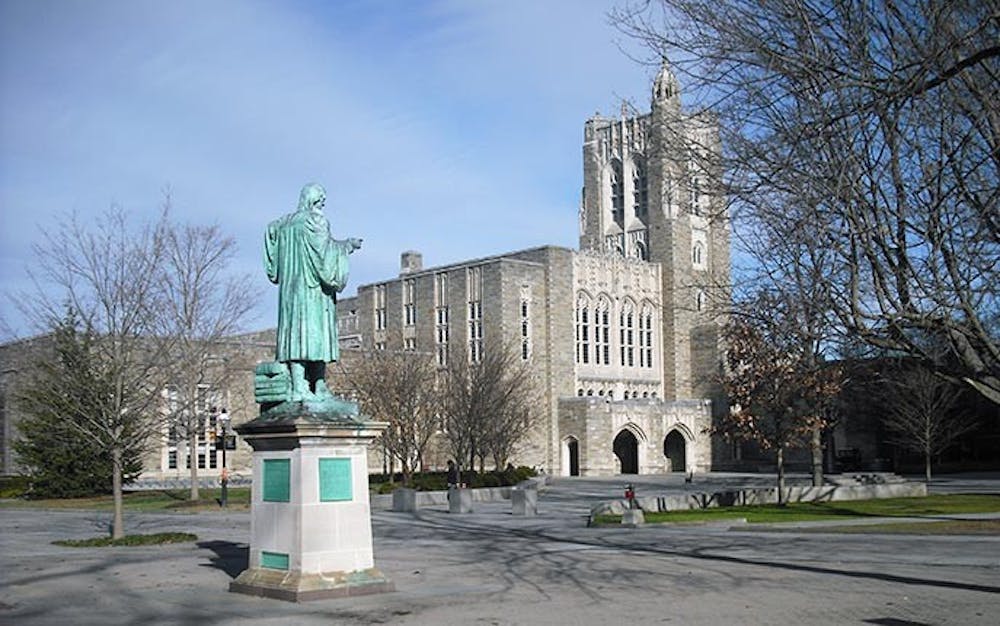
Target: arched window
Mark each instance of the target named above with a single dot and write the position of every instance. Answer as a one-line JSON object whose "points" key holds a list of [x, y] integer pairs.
{"points": [[699, 301], [640, 251], [698, 254]]}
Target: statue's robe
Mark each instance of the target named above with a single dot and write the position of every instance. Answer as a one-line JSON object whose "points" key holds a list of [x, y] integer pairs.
{"points": [[309, 267]]}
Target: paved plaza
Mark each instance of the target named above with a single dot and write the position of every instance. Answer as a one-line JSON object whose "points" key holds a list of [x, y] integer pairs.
{"points": [[492, 568]]}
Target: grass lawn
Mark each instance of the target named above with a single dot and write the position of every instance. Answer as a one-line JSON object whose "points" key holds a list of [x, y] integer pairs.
{"points": [[953, 527], [809, 511], [128, 540], [165, 500]]}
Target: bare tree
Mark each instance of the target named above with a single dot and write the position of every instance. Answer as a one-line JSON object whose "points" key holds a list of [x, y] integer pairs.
{"points": [[109, 272], [487, 410], [920, 413], [780, 396], [509, 383], [879, 122], [401, 388], [203, 305]]}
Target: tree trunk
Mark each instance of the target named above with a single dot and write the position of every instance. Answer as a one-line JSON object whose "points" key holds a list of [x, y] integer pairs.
{"points": [[193, 458], [118, 524], [781, 475], [407, 474], [816, 444], [927, 465]]}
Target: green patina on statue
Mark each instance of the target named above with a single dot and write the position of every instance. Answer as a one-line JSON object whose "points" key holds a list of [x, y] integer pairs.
{"points": [[310, 268]]}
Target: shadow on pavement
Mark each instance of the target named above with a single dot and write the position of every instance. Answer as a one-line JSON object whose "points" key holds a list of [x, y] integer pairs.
{"points": [[232, 558]]}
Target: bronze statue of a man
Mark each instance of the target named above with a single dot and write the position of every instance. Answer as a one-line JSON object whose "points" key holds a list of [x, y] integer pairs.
{"points": [[310, 267]]}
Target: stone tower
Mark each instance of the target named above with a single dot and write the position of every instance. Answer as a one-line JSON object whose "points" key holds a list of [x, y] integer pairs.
{"points": [[652, 192]]}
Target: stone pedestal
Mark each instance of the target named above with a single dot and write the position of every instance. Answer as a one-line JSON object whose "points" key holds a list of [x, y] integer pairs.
{"points": [[524, 501], [459, 500], [310, 529]]}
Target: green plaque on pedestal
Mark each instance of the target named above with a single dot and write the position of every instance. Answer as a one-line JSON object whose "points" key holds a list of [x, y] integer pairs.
{"points": [[274, 560], [277, 480], [335, 480]]}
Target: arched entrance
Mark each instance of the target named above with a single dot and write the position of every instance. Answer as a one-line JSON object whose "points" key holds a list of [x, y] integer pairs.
{"points": [[571, 457], [675, 449], [626, 448]]}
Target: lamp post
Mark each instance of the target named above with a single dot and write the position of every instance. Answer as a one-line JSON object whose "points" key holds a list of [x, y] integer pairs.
{"points": [[224, 424]]}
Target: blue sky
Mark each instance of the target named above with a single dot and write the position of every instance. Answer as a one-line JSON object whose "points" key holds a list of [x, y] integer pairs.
{"points": [[451, 127]]}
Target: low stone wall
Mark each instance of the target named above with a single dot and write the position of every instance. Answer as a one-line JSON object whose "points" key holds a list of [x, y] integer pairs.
{"points": [[742, 497], [383, 502], [204, 482]]}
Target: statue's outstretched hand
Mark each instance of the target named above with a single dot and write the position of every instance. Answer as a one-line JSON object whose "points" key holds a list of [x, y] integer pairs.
{"points": [[355, 243]]}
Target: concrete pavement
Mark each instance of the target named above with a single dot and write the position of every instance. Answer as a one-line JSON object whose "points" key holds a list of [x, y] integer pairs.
{"points": [[490, 567]]}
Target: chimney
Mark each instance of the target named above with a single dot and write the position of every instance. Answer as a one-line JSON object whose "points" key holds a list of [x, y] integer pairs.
{"points": [[410, 261]]}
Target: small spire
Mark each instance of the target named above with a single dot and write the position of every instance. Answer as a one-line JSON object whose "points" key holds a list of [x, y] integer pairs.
{"points": [[666, 89]]}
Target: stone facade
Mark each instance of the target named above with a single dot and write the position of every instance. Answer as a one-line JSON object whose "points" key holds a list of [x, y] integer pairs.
{"points": [[623, 334]]}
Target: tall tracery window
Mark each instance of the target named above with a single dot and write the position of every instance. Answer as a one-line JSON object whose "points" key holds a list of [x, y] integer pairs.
{"points": [[475, 292], [617, 192], [379, 307], [695, 187], [646, 338], [441, 314], [602, 333], [409, 302], [627, 336], [640, 191], [525, 322], [582, 330]]}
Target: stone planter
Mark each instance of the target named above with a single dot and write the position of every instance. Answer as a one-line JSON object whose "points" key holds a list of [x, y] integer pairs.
{"points": [[404, 500], [633, 518], [459, 500], [524, 502]]}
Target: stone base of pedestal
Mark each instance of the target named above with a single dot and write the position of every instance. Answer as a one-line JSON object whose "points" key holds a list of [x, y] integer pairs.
{"points": [[299, 587]]}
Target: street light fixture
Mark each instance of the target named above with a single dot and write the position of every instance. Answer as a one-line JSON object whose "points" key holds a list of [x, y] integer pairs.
{"points": [[223, 420]]}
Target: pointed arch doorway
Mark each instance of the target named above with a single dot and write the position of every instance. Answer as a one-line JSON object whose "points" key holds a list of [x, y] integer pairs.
{"points": [[675, 450], [626, 448], [571, 457]]}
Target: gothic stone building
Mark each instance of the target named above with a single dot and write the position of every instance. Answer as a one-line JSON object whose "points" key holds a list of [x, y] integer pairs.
{"points": [[623, 334]]}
